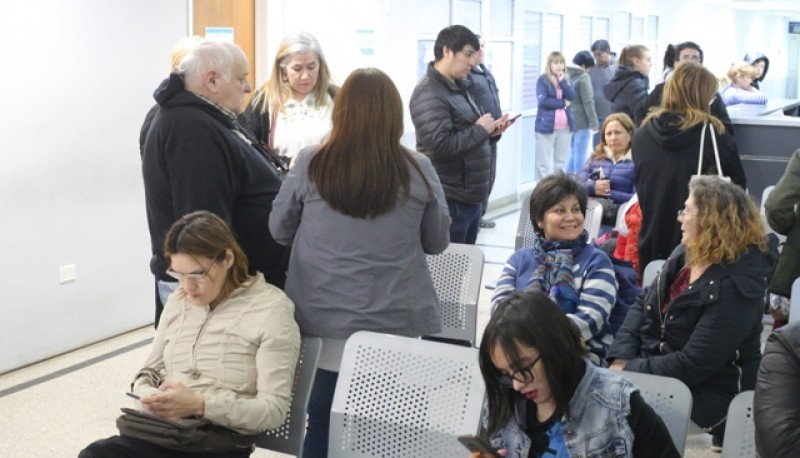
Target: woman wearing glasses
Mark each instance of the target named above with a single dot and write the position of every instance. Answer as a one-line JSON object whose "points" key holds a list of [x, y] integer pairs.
{"points": [[700, 320], [226, 347], [545, 399]]}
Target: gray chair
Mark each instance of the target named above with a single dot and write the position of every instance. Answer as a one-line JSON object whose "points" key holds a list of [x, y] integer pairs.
{"points": [[404, 398], [670, 398], [457, 274], [794, 302], [740, 429], [651, 271], [288, 438], [524, 239]]}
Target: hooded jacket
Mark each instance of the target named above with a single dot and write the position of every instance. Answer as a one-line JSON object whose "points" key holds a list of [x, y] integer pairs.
{"points": [[665, 158], [776, 405], [752, 59], [781, 211], [582, 107], [194, 159], [653, 99], [709, 337], [444, 116], [626, 90]]}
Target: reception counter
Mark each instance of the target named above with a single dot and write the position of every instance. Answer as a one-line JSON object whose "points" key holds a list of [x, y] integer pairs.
{"points": [[766, 136]]}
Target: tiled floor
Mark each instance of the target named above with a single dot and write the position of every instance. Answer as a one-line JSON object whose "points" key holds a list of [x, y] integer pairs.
{"points": [[54, 408]]}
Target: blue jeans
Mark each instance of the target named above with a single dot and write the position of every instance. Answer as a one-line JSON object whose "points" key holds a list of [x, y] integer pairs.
{"points": [[315, 444], [579, 147], [465, 220]]}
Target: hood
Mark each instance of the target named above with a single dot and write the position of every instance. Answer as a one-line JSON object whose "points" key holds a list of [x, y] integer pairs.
{"points": [[574, 72], [666, 132], [621, 78], [752, 58], [749, 273], [168, 88]]}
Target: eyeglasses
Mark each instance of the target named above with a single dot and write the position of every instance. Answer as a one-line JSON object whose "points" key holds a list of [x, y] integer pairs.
{"points": [[195, 277], [523, 375]]}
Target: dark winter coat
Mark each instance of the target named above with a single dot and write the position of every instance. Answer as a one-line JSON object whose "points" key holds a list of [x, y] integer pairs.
{"points": [[665, 157], [195, 160], [626, 90], [776, 405], [444, 116], [710, 335], [549, 103], [781, 210]]}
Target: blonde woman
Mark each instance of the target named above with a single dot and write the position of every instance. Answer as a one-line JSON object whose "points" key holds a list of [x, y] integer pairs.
{"points": [[554, 123], [292, 109], [739, 87], [700, 320]]}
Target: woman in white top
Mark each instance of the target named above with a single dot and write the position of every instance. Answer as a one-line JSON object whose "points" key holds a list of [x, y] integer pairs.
{"points": [[292, 109]]}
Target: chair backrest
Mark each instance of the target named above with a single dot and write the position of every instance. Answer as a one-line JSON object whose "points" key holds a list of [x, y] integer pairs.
{"points": [[402, 398], [593, 218], [457, 274], [525, 232], [670, 398], [651, 271], [762, 211], [288, 438], [591, 221], [740, 429], [794, 302]]}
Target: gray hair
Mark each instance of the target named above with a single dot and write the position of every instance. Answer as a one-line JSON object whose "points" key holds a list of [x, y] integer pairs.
{"points": [[209, 55], [298, 43]]}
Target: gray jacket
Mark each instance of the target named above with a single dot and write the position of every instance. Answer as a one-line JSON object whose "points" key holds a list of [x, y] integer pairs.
{"points": [[583, 106], [444, 116], [349, 274], [601, 76]]}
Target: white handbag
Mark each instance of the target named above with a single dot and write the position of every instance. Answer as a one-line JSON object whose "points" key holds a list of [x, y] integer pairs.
{"points": [[716, 151]]}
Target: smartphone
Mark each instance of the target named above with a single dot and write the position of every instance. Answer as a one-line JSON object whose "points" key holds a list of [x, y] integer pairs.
{"points": [[133, 395], [478, 444], [513, 117], [597, 175]]}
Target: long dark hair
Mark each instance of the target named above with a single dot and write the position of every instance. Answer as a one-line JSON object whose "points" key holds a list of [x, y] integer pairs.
{"points": [[533, 320], [360, 170]]}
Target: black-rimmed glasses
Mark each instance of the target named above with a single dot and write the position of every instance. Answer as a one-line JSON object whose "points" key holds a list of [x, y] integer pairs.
{"points": [[523, 375]]}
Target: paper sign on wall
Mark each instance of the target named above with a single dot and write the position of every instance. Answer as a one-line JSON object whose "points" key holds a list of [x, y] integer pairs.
{"points": [[220, 34]]}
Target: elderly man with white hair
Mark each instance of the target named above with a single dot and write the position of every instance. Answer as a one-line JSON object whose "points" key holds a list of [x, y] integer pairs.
{"points": [[197, 157]]}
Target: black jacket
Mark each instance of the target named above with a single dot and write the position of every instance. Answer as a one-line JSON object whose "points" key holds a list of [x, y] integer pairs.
{"points": [[664, 159], [709, 337], [776, 405], [194, 160], [444, 116], [718, 108], [484, 93], [626, 90]]}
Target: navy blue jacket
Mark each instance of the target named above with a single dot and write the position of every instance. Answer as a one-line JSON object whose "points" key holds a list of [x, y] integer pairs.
{"points": [[548, 104]]}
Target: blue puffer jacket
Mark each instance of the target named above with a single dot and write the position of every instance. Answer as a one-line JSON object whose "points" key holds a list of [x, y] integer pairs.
{"points": [[548, 104], [620, 173]]}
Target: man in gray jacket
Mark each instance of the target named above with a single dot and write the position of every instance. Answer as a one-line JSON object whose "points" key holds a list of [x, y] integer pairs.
{"points": [[600, 75], [454, 131]]}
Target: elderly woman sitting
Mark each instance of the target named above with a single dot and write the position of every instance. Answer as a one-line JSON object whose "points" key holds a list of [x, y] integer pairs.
{"points": [[739, 88], [700, 320], [578, 276]]}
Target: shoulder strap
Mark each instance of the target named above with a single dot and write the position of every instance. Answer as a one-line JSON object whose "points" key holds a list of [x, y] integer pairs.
{"points": [[702, 147]]}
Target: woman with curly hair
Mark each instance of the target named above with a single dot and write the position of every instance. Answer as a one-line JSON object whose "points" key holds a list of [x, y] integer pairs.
{"points": [[700, 319]]}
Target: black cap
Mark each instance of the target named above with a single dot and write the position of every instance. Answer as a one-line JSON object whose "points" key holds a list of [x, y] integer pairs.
{"points": [[583, 59], [601, 45]]}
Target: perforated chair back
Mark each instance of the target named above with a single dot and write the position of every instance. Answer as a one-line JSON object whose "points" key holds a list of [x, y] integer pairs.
{"points": [[740, 429], [794, 302], [457, 274], [762, 211], [404, 398], [288, 438], [651, 271], [670, 398], [525, 232], [524, 238]]}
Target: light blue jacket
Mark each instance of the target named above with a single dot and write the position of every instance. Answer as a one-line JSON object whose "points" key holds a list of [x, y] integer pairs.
{"points": [[596, 420]]}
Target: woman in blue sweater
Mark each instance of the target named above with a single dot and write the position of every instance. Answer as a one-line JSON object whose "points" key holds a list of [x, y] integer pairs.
{"points": [[578, 276], [554, 123]]}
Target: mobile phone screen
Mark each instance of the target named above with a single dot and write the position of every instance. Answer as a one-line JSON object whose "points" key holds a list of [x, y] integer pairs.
{"points": [[133, 395], [478, 444]]}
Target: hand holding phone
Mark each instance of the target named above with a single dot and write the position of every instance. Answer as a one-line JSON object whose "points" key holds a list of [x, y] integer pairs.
{"points": [[479, 444]]}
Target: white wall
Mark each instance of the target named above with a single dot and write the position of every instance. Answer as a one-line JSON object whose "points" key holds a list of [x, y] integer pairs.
{"points": [[77, 81]]}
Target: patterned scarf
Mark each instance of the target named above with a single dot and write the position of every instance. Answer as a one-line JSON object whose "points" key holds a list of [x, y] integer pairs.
{"points": [[554, 273]]}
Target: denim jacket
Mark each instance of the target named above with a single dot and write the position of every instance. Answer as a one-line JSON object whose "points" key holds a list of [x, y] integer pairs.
{"points": [[595, 424]]}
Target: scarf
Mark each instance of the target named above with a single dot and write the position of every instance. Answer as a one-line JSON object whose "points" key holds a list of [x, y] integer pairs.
{"points": [[554, 275]]}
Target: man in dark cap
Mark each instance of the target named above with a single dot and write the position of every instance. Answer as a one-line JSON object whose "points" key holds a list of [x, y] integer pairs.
{"points": [[601, 74]]}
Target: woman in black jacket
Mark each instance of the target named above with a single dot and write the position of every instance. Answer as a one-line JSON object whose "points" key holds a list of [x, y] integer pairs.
{"points": [[776, 405], [630, 83], [666, 151], [700, 320]]}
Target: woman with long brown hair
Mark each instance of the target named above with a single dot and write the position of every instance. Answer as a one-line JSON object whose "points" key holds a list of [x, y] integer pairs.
{"points": [[665, 155], [360, 212]]}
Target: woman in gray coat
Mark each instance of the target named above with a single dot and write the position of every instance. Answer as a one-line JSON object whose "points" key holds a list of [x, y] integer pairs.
{"points": [[583, 110], [360, 212]]}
